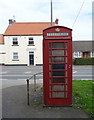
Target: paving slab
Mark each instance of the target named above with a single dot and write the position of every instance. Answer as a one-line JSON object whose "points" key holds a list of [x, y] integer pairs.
{"points": [[14, 105]]}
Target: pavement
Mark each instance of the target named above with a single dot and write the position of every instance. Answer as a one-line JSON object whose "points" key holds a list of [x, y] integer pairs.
{"points": [[14, 105]]}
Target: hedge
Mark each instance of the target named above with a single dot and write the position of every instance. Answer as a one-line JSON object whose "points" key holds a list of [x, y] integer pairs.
{"points": [[83, 61]]}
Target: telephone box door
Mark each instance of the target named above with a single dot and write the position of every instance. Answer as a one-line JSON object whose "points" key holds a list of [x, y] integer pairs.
{"points": [[57, 72]]}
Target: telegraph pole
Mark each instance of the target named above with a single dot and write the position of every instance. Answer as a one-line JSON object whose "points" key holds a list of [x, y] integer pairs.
{"points": [[51, 13]]}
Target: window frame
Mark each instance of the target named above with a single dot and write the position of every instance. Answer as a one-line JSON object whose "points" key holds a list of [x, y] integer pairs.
{"points": [[77, 54], [15, 56], [15, 41], [92, 54], [30, 41]]}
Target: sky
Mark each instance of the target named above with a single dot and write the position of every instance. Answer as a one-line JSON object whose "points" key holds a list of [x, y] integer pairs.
{"points": [[40, 11]]}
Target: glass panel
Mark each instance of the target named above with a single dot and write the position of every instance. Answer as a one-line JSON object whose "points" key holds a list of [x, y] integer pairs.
{"points": [[31, 42], [31, 53], [57, 52], [56, 87], [15, 55], [57, 66], [57, 80], [15, 39], [58, 94], [31, 38], [57, 73], [93, 54], [57, 59], [58, 45]]}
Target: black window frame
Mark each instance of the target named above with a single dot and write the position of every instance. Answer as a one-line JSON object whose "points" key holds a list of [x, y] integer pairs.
{"points": [[31, 41], [15, 41]]}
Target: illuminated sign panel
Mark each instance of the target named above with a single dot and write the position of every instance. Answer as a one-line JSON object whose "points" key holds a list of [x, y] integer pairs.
{"points": [[58, 34]]}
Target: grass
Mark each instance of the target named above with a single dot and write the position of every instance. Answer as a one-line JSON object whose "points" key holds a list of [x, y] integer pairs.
{"points": [[83, 95], [37, 103]]}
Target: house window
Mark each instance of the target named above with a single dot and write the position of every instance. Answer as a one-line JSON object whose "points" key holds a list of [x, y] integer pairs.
{"points": [[15, 41], [77, 54], [15, 56], [31, 41], [92, 54]]}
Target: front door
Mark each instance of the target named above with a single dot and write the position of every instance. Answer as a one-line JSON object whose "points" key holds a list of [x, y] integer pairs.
{"points": [[86, 54], [31, 58], [59, 88]]}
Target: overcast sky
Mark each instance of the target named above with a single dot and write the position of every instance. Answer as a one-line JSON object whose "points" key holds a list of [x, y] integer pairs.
{"points": [[39, 11]]}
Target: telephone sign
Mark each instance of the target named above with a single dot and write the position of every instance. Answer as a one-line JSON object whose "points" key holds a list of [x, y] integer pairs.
{"points": [[57, 65]]}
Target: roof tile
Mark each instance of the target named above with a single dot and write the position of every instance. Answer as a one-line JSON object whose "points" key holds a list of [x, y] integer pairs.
{"points": [[1, 39], [32, 28]]}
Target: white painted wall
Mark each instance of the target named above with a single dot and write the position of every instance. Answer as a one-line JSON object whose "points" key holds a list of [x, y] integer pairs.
{"points": [[23, 49], [2, 53]]}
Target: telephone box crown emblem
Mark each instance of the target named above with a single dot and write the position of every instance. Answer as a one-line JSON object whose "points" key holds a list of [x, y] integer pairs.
{"points": [[57, 29]]}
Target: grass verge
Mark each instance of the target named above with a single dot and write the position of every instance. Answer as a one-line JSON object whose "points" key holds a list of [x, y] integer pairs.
{"points": [[83, 95]]}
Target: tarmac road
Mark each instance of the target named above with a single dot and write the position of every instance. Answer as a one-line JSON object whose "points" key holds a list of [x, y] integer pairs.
{"points": [[17, 75]]}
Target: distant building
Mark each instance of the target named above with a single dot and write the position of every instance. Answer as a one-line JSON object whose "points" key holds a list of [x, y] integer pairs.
{"points": [[83, 49]]}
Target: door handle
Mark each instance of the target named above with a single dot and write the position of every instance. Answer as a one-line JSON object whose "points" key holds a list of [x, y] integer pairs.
{"points": [[69, 66]]}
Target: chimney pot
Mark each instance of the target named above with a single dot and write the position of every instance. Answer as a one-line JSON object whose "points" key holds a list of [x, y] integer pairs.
{"points": [[11, 21], [56, 21]]}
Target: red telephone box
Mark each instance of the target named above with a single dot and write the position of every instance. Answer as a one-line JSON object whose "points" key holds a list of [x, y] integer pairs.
{"points": [[57, 66]]}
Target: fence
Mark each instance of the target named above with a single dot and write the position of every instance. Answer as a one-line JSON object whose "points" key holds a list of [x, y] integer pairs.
{"points": [[32, 77]]}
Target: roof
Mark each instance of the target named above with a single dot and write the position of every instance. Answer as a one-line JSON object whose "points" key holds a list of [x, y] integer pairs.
{"points": [[1, 39], [26, 28], [83, 46], [59, 27]]}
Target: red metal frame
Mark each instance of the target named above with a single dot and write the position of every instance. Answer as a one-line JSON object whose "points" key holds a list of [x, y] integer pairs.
{"points": [[57, 69]]}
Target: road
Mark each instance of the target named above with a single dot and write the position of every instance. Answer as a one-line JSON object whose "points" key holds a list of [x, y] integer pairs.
{"points": [[17, 75], [83, 73]]}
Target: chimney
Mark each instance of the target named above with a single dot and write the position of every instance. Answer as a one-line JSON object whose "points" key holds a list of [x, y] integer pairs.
{"points": [[11, 21], [56, 21]]}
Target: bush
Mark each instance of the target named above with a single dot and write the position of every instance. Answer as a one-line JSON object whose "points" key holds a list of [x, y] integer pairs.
{"points": [[83, 61]]}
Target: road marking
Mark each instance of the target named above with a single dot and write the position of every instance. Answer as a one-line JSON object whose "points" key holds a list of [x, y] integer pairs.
{"points": [[3, 72], [15, 75], [13, 79], [84, 79], [22, 75], [28, 72], [3, 79], [85, 75], [74, 71], [18, 79]]}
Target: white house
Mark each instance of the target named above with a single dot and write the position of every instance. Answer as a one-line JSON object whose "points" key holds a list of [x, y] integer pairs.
{"points": [[23, 43]]}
